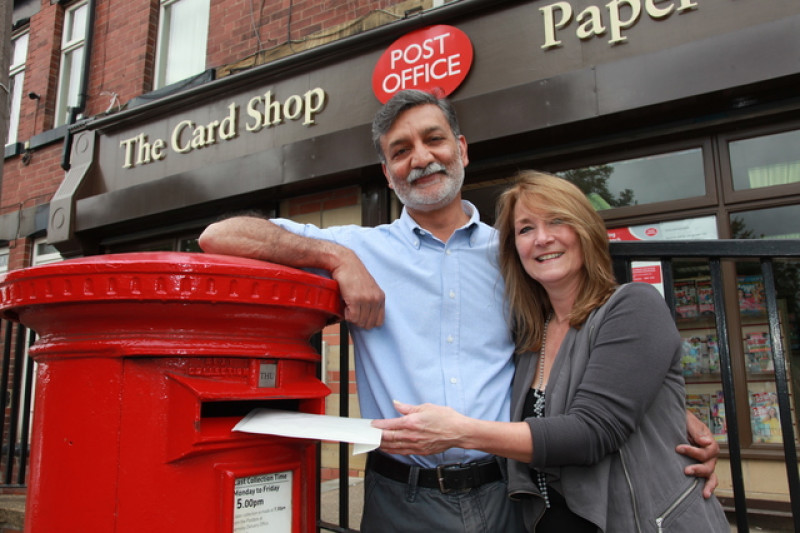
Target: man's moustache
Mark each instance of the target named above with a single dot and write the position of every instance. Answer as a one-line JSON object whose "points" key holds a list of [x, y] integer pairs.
{"points": [[418, 173]]}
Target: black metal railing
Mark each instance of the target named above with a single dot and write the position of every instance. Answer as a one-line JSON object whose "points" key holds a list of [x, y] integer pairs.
{"points": [[16, 388]]}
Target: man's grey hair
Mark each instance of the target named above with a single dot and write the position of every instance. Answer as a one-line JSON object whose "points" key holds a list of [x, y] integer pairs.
{"points": [[403, 101]]}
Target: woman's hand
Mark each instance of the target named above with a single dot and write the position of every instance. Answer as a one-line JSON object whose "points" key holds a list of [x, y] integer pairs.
{"points": [[422, 430]]}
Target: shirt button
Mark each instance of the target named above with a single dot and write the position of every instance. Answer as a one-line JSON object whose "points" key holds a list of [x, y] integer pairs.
{"points": [[453, 380], [450, 339], [448, 252], [452, 294]]}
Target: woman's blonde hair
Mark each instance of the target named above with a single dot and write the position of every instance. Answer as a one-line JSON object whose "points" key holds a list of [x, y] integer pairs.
{"points": [[529, 304]]}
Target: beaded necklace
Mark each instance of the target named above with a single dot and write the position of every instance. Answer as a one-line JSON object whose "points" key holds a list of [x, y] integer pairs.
{"points": [[538, 408]]}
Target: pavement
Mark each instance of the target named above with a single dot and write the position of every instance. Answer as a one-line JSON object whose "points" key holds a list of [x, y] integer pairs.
{"points": [[329, 496], [12, 510], [329, 501]]}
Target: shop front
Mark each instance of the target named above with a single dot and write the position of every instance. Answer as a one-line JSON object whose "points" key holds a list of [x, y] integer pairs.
{"points": [[679, 118]]}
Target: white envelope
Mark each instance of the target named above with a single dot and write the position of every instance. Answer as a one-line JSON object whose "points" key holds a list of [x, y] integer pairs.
{"points": [[307, 426]]}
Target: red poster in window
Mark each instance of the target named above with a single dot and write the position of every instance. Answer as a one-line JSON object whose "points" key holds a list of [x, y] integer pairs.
{"points": [[436, 59], [647, 274]]}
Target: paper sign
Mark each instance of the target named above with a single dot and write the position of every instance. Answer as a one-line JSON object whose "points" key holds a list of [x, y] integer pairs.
{"points": [[357, 431], [263, 503]]}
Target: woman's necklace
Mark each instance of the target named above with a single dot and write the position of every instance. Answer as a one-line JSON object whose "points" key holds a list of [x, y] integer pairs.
{"points": [[538, 408], [541, 351]]}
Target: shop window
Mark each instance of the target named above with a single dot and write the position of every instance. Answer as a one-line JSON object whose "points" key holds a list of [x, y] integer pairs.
{"points": [[189, 245], [773, 223], [693, 296], [73, 52], [695, 317], [757, 344], [765, 161], [164, 244], [4, 251], [642, 180], [16, 79], [182, 37]]}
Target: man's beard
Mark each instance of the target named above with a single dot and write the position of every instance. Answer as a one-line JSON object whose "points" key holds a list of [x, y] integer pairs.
{"points": [[442, 194]]}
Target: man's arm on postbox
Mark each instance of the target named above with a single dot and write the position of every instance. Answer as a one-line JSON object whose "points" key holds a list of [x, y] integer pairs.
{"points": [[258, 238]]}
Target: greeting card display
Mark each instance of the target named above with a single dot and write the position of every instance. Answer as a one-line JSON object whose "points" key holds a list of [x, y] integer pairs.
{"points": [[764, 419], [751, 295]]}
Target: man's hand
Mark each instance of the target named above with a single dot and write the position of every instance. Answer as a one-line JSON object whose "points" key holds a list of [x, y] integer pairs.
{"points": [[363, 298], [702, 448]]}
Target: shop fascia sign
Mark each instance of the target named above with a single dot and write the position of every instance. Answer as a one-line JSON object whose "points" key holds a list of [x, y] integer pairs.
{"points": [[187, 136], [610, 19]]}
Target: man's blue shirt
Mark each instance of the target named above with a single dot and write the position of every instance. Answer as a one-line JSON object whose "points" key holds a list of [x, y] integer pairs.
{"points": [[445, 339]]}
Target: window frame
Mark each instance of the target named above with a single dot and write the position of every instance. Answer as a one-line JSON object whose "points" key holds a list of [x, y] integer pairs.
{"points": [[667, 209], [16, 83], [38, 257], [768, 194], [5, 253], [162, 44], [69, 47]]}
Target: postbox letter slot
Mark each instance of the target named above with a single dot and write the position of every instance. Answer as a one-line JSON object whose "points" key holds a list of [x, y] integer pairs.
{"points": [[240, 408]]}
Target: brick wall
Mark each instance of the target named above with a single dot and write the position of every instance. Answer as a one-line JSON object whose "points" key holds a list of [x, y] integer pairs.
{"points": [[123, 55], [242, 28]]}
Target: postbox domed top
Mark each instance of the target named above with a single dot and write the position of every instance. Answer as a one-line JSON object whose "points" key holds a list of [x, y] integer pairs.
{"points": [[167, 277]]}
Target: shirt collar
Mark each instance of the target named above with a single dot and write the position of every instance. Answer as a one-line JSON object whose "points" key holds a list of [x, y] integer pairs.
{"points": [[414, 231]]}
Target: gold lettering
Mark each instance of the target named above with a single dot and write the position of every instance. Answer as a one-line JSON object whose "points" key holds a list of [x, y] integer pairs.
{"points": [[272, 111], [127, 144], [252, 111], [314, 103], [590, 23], [293, 107], [158, 149], [657, 13], [143, 155], [176, 137], [198, 137], [617, 23], [550, 24], [228, 129], [211, 132]]}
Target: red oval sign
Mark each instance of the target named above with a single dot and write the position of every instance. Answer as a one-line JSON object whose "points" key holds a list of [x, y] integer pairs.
{"points": [[651, 232], [436, 59]]}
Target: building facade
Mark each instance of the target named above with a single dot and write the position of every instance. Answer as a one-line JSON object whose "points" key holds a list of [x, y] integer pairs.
{"points": [[135, 124]]}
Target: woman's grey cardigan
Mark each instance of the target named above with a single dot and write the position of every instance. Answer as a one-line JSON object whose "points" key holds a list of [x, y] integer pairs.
{"points": [[615, 407]]}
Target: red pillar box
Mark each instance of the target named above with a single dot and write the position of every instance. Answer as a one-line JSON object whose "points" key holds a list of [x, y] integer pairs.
{"points": [[145, 363]]}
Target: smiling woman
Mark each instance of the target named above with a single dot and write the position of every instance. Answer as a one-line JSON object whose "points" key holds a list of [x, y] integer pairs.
{"points": [[548, 247]]}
